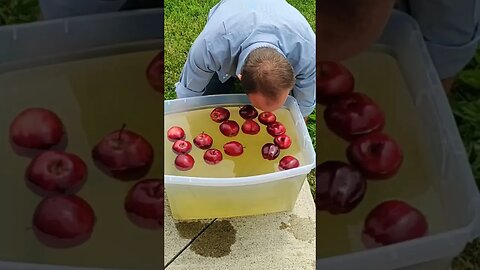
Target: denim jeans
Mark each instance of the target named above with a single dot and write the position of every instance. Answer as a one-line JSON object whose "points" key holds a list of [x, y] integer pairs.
{"points": [[216, 87]]}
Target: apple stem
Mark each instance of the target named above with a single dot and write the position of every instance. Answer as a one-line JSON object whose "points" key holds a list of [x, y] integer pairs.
{"points": [[121, 131], [57, 167], [155, 192], [376, 148]]}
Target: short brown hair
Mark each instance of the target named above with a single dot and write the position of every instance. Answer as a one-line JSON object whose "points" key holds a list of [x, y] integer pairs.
{"points": [[267, 71]]}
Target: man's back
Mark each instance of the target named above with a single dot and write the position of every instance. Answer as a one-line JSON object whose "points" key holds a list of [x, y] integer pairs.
{"points": [[235, 28], [261, 15]]}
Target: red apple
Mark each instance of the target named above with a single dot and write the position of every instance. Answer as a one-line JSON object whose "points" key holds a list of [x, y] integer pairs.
{"points": [[233, 148], [354, 115], [213, 156], [288, 162], [55, 172], [283, 141], [144, 204], [124, 155], [270, 151], [63, 221], [276, 129], [175, 133], [155, 74], [248, 112], [36, 128], [203, 141], [333, 81], [393, 222], [229, 128], [377, 155], [182, 147], [220, 114], [267, 118], [250, 127], [184, 162], [340, 187]]}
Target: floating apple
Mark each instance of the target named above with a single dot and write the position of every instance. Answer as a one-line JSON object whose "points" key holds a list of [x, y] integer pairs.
{"points": [[340, 187], [267, 118], [155, 74], [63, 221], [229, 128], [250, 127], [181, 147], [184, 162], [248, 112], [333, 81], [175, 133], [124, 155], [354, 115], [283, 141], [276, 129], [233, 148], [144, 204], [36, 128], [288, 162], [377, 155], [393, 222], [203, 141], [220, 114], [212, 156], [270, 151], [55, 172]]}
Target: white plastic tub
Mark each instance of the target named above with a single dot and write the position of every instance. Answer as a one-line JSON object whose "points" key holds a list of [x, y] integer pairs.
{"points": [[240, 196], [54, 41], [455, 185]]}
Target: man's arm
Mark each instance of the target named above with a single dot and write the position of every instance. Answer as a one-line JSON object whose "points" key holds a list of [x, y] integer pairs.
{"points": [[305, 88], [451, 30], [197, 71]]}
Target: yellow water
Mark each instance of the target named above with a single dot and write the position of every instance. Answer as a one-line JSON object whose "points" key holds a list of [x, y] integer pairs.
{"points": [[93, 97], [378, 75], [249, 163]]}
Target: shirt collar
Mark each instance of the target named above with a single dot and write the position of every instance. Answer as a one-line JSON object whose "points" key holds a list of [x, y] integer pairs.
{"points": [[247, 50]]}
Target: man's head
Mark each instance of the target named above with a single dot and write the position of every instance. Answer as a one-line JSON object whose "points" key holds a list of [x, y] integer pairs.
{"points": [[267, 77], [346, 27]]}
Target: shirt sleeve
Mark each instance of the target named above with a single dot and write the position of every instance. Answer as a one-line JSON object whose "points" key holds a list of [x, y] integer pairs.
{"points": [[305, 88], [197, 71], [451, 31]]}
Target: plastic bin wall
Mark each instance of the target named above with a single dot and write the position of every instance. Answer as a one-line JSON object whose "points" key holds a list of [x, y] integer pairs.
{"points": [[458, 192]]}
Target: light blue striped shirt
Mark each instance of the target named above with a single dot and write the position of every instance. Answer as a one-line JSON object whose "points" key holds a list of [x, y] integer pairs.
{"points": [[235, 28]]}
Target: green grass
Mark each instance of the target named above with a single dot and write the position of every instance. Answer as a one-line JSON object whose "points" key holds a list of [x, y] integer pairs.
{"points": [[184, 20], [18, 11], [465, 102]]}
